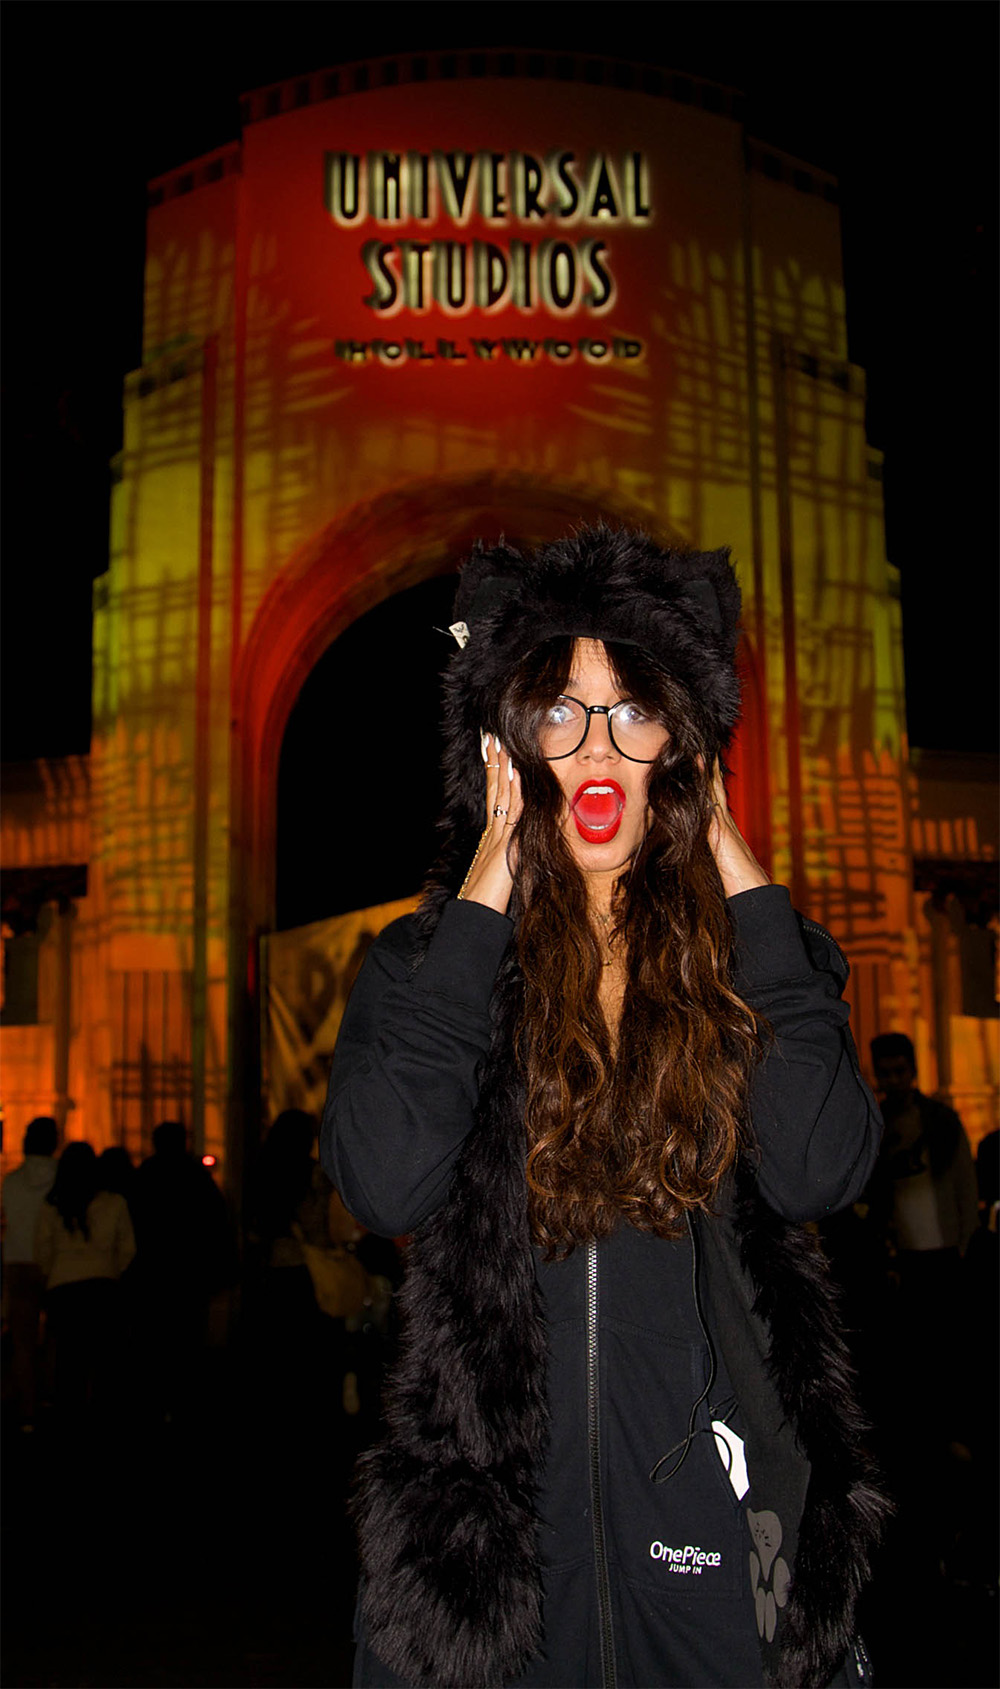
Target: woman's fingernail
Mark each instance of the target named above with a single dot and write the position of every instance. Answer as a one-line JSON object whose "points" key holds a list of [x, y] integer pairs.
{"points": [[510, 769], [484, 745]]}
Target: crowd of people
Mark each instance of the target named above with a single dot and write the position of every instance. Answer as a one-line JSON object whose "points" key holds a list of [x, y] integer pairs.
{"points": [[101, 1257], [318, 1288], [916, 1259], [109, 1272], [112, 1273], [604, 1076], [604, 1083]]}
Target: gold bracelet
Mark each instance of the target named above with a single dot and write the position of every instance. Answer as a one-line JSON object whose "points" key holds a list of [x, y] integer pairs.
{"points": [[475, 859]]}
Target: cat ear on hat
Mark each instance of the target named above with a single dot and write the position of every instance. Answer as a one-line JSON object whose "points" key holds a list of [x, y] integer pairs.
{"points": [[714, 593], [492, 592], [490, 575], [706, 599]]}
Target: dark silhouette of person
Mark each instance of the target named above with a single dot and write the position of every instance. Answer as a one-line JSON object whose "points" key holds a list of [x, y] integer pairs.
{"points": [[974, 1557], [924, 1184], [24, 1192], [291, 1189], [295, 1342], [923, 1206], [371, 1333], [988, 1181], [84, 1241], [982, 1262], [116, 1172], [184, 1255], [336, 1360]]}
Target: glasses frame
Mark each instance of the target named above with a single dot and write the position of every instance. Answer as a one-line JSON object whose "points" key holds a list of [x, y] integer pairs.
{"points": [[600, 709]]}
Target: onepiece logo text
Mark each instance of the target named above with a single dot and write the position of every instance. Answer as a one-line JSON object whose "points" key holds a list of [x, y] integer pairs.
{"points": [[689, 1561]]}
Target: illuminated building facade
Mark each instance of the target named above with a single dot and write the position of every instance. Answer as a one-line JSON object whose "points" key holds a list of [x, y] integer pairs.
{"points": [[419, 301]]}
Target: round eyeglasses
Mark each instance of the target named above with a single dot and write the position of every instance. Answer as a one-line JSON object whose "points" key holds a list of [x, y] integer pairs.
{"points": [[632, 732]]}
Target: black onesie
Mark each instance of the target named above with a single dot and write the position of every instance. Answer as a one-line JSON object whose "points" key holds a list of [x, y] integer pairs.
{"points": [[678, 1551], [402, 1097]]}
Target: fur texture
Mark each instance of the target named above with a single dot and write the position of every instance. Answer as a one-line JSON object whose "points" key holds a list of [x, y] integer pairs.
{"points": [[448, 1537], [602, 583], [445, 1506], [447, 1524], [845, 1509]]}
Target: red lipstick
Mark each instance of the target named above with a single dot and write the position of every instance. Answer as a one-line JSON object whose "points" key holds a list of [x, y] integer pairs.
{"points": [[597, 807]]}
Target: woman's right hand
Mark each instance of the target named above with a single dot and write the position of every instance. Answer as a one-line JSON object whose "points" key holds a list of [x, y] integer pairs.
{"points": [[490, 878]]}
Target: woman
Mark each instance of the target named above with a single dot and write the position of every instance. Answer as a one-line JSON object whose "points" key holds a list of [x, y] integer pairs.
{"points": [[603, 1075], [83, 1243]]}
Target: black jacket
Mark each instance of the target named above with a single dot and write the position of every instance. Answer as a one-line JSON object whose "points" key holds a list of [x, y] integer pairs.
{"points": [[424, 1132]]}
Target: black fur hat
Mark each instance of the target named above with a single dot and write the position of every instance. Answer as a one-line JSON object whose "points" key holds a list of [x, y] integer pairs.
{"points": [[601, 583], [604, 583]]}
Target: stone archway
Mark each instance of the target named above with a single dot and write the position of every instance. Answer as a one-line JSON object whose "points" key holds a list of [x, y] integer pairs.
{"points": [[392, 541], [379, 548]]}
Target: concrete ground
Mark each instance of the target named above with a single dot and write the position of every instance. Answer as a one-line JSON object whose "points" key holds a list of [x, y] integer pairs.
{"points": [[215, 1550], [211, 1550]]}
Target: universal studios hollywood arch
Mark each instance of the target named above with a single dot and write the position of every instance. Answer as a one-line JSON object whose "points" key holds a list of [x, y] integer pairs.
{"points": [[380, 551], [385, 323]]}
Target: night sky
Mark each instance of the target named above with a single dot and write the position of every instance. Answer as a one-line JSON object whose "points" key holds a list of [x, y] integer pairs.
{"points": [[897, 99]]}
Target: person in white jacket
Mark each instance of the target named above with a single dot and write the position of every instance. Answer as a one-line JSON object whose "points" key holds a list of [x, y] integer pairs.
{"points": [[83, 1243], [24, 1192]]}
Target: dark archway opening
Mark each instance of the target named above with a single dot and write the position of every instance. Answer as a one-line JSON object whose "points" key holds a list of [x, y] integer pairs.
{"points": [[359, 780]]}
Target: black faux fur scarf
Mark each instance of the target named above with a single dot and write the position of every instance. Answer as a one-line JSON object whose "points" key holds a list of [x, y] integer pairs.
{"points": [[776, 1280], [447, 1521], [447, 1526]]}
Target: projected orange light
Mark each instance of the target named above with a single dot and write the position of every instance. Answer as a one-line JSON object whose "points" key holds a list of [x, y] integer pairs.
{"points": [[440, 312]]}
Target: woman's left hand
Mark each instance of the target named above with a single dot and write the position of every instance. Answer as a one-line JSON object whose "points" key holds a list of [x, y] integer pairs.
{"points": [[738, 868]]}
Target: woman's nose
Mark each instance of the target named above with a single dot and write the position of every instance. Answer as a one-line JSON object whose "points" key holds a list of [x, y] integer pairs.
{"points": [[599, 743]]}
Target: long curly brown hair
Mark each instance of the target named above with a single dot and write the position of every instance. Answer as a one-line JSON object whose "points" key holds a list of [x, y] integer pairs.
{"points": [[641, 1120]]}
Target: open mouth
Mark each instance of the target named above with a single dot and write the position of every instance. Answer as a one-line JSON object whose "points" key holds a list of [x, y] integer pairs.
{"points": [[597, 809]]}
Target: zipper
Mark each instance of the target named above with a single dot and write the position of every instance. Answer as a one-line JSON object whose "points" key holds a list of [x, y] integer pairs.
{"points": [[862, 1661], [608, 1671]]}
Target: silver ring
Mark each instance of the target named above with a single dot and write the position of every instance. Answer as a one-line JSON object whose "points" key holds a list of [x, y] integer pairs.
{"points": [[493, 765], [498, 811]]}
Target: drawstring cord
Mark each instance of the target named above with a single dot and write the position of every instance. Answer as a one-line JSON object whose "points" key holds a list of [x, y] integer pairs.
{"points": [[716, 1414], [685, 1443]]}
